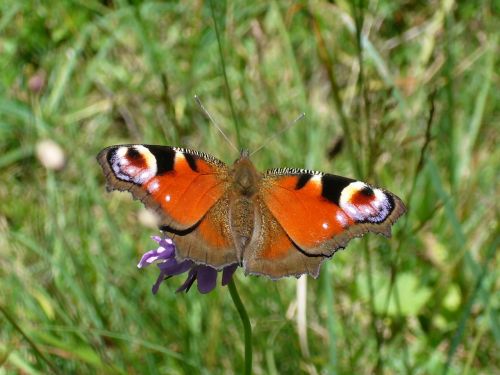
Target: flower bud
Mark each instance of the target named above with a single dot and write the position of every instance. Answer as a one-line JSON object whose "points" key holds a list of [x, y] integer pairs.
{"points": [[37, 82], [50, 154]]}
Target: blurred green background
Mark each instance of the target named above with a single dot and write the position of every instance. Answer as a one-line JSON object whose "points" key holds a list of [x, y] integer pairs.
{"points": [[404, 95]]}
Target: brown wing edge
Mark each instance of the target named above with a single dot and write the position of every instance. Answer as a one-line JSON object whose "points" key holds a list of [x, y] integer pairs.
{"points": [[313, 266]]}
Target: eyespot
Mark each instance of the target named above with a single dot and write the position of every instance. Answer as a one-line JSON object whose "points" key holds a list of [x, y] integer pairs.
{"points": [[364, 203]]}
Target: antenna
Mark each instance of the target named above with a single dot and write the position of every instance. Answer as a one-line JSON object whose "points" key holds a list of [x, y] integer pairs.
{"points": [[198, 101], [300, 117]]}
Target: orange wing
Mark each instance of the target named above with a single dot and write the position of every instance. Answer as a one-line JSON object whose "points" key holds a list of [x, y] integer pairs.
{"points": [[182, 186], [322, 212], [210, 241], [272, 253]]}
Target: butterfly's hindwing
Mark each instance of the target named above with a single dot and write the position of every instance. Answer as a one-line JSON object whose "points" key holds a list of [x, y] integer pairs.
{"points": [[271, 252]]}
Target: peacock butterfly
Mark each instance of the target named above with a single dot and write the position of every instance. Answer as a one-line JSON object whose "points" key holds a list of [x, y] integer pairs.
{"points": [[282, 222]]}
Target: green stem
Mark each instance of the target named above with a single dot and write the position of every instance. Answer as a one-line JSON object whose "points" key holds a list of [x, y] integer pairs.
{"points": [[224, 74], [246, 326], [31, 343]]}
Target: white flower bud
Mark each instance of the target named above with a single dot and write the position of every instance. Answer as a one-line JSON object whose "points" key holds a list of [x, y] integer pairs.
{"points": [[148, 218], [50, 154]]}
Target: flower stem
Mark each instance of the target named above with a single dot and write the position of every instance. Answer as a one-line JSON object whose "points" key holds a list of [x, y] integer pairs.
{"points": [[246, 326]]}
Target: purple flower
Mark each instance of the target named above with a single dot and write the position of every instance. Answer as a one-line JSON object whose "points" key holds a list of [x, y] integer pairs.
{"points": [[164, 255]]}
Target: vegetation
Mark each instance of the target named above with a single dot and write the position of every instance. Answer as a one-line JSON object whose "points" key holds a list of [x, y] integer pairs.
{"points": [[403, 95]]}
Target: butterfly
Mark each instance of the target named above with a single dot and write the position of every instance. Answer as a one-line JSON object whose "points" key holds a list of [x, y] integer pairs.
{"points": [[282, 222]]}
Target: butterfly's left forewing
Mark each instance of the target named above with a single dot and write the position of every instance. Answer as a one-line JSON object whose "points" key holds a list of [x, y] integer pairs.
{"points": [[186, 189]]}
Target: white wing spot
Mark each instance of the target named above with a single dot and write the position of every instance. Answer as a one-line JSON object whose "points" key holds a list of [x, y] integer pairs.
{"points": [[367, 210], [179, 156], [153, 186], [316, 179], [341, 218], [121, 151], [168, 198]]}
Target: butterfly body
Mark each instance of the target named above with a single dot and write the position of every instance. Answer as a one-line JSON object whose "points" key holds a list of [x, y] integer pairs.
{"points": [[278, 223]]}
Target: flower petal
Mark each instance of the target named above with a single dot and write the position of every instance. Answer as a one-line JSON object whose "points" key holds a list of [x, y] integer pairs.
{"points": [[164, 256], [172, 268], [189, 281], [147, 259], [164, 252], [156, 238], [162, 276], [207, 279], [167, 243], [227, 273]]}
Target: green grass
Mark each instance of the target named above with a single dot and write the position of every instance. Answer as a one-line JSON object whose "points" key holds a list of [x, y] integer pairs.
{"points": [[411, 89]]}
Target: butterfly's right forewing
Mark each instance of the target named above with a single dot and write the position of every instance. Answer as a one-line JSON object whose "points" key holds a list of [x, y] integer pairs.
{"points": [[321, 212]]}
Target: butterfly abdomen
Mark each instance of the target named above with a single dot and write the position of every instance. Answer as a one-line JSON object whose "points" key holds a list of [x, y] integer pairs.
{"points": [[242, 214], [242, 208]]}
